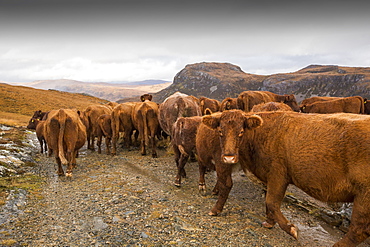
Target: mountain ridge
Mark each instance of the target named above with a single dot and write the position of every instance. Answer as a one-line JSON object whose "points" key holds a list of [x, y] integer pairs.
{"points": [[104, 90], [221, 80]]}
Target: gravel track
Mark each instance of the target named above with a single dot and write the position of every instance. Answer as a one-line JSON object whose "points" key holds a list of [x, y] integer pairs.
{"points": [[130, 200]]}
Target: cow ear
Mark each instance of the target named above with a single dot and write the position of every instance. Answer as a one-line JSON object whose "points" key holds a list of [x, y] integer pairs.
{"points": [[252, 122], [150, 97], [142, 98], [211, 121], [207, 111]]}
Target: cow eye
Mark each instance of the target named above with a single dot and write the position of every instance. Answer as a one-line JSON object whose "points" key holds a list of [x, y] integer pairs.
{"points": [[220, 132], [241, 133]]}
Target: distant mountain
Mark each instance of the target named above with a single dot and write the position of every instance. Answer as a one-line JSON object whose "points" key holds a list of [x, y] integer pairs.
{"points": [[109, 91], [221, 80]]}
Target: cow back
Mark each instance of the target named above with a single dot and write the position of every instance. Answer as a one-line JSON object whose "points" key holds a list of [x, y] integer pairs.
{"points": [[175, 106]]}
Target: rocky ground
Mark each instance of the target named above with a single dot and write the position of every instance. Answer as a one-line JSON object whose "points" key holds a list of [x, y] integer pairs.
{"points": [[130, 200]]}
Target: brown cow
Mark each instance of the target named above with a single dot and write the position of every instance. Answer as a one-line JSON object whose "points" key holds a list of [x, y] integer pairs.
{"points": [[122, 122], [65, 134], [212, 104], [353, 104], [111, 104], [318, 98], [271, 106], [247, 99], [40, 134], [104, 129], [229, 104], [327, 156], [145, 120], [175, 106], [92, 113], [183, 142]]}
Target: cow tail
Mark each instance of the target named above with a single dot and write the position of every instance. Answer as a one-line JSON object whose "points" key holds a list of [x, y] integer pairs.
{"points": [[144, 115], [62, 121], [362, 110]]}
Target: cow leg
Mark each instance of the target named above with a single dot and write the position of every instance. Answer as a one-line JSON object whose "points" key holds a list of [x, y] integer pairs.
{"points": [[143, 146], [92, 139], [45, 145], [276, 187], [107, 144], [202, 182], [224, 183], [60, 168], [88, 133], [177, 158], [115, 134], [359, 229], [180, 168], [71, 156], [98, 143], [152, 141]]}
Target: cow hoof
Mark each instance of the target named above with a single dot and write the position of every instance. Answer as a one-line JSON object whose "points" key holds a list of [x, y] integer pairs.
{"points": [[154, 156], [212, 213], [178, 184], [294, 231], [202, 189], [267, 225], [69, 174]]}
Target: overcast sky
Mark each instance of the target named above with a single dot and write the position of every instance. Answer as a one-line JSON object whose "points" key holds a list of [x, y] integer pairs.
{"points": [[95, 41]]}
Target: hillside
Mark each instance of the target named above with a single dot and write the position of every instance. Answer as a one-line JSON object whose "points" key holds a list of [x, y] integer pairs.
{"points": [[221, 80], [18, 103], [103, 90]]}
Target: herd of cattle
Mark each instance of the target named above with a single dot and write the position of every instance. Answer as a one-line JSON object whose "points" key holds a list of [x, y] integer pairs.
{"points": [[269, 135]]}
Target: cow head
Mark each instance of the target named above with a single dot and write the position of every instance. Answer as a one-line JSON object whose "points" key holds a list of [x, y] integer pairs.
{"points": [[231, 126], [145, 97], [302, 108], [292, 102], [32, 124]]}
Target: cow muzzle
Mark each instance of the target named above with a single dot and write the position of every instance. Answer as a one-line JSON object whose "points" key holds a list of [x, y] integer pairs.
{"points": [[230, 159]]}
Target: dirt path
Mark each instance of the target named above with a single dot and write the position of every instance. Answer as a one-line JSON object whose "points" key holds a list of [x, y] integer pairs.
{"points": [[130, 200]]}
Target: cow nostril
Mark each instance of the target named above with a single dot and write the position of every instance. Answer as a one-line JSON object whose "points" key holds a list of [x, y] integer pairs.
{"points": [[230, 159]]}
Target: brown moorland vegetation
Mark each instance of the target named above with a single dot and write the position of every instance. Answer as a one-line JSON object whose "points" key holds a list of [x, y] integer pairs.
{"points": [[18, 103]]}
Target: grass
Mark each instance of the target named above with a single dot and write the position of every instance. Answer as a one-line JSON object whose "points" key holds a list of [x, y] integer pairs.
{"points": [[18, 103]]}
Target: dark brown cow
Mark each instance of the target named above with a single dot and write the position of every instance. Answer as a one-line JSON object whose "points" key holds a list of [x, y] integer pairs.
{"points": [[145, 120], [229, 104], [104, 129], [271, 106], [65, 134], [317, 98], [92, 113], [175, 106], [37, 116], [353, 104], [145, 97], [122, 122], [325, 155], [212, 104], [183, 142], [247, 99], [40, 134], [366, 106]]}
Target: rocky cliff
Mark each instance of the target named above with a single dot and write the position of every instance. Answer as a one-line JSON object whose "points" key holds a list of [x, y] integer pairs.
{"points": [[221, 80]]}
